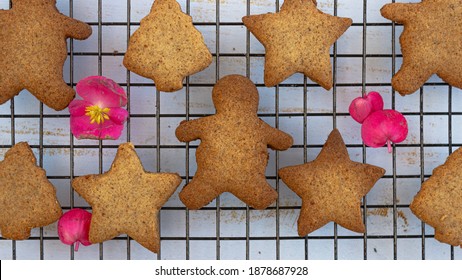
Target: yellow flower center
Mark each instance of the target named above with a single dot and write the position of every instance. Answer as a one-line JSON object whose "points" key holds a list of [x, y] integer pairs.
{"points": [[97, 114]]}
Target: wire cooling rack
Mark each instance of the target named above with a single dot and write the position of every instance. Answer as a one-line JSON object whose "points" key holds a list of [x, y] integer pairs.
{"points": [[364, 59]]}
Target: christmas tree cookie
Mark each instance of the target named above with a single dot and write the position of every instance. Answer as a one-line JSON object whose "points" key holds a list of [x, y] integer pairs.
{"points": [[167, 47], [27, 198]]}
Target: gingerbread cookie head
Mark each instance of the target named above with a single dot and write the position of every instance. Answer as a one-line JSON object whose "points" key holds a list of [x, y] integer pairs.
{"points": [[241, 98], [28, 199], [297, 39], [33, 51], [430, 42], [233, 153], [439, 201], [167, 47]]}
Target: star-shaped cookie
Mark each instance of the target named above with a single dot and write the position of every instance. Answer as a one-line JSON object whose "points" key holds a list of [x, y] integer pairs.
{"points": [[126, 199], [297, 39], [431, 42], [167, 47], [331, 187], [27, 198], [439, 201]]}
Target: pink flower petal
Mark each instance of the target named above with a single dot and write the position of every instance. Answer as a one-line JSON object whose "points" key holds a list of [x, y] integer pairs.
{"points": [[118, 115], [101, 91], [376, 100], [384, 126], [77, 107], [81, 128], [360, 108], [110, 130], [74, 227]]}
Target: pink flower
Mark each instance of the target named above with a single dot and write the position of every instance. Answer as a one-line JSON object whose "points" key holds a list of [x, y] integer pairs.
{"points": [[383, 127], [99, 114], [379, 126], [361, 107], [74, 227]]}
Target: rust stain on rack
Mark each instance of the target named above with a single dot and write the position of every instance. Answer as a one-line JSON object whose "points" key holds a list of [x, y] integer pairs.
{"points": [[35, 131], [239, 216], [402, 216], [384, 213], [379, 211]]}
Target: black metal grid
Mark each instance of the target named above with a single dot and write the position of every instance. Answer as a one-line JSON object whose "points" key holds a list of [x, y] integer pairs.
{"points": [[188, 148]]}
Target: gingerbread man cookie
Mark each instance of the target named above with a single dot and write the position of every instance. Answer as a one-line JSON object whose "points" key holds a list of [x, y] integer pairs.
{"points": [[233, 153], [431, 42], [33, 51]]}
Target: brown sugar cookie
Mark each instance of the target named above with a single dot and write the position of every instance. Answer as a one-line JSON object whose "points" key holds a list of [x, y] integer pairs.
{"points": [[439, 201], [27, 199], [233, 153], [297, 39], [33, 51], [431, 42], [331, 187], [126, 199], [167, 47]]}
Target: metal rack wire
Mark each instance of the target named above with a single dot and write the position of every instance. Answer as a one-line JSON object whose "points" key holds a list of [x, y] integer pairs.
{"points": [[332, 238]]}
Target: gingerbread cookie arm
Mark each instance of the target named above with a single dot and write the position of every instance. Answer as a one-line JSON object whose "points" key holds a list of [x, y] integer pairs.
{"points": [[399, 12], [277, 139], [189, 130], [411, 76], [75, 28]]}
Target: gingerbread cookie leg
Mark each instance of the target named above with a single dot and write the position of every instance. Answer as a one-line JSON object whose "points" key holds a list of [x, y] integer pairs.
{"points": [[411, 77], [258, 196], [8, 88], [448, 75], [53, 92], [198, 193]]}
